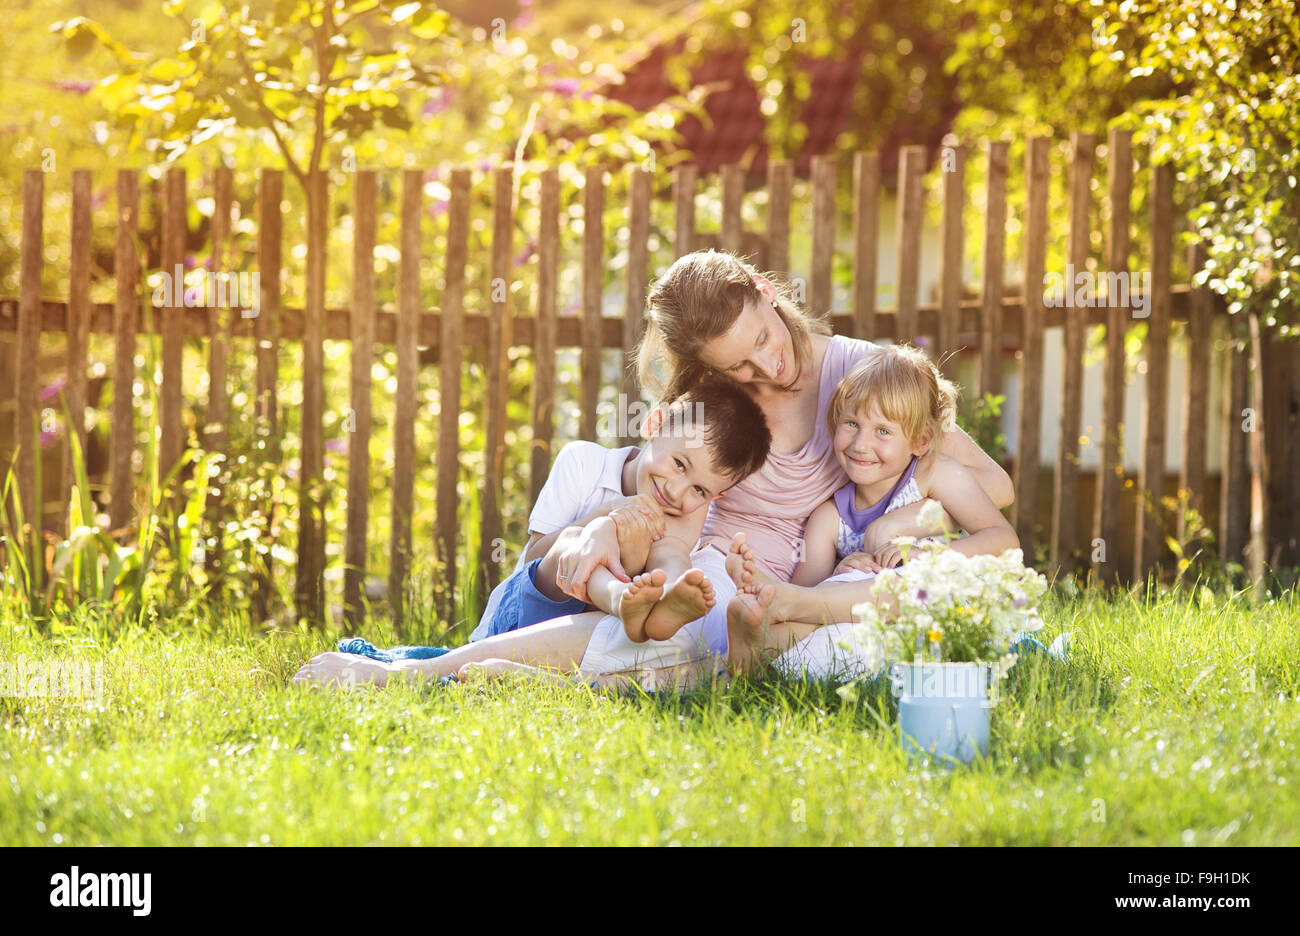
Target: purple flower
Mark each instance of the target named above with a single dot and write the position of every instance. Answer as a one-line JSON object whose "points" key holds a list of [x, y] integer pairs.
{"points": [[922, 595], [485, 165], [77, 87], [47, 438], [526, 254], [1020, 601], [566, 86], [336, 445], [54, 389], [437, 207], [435, 106]]}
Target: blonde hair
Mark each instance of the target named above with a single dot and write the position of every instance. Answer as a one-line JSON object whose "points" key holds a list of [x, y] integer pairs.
{"points": [[904, 385], [696, 301]]}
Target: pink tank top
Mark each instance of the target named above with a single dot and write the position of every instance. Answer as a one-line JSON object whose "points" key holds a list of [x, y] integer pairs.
{"points": [[772, 506]]}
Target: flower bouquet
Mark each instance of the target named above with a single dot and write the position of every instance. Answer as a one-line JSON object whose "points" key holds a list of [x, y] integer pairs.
{"points": [[946, 622]]}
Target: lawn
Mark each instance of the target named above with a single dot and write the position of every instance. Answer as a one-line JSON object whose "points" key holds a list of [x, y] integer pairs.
{"points": [[1172, 723]]}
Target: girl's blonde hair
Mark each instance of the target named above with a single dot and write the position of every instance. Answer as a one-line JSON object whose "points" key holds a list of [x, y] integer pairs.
{"points": [[696, 301], [904, 385]]}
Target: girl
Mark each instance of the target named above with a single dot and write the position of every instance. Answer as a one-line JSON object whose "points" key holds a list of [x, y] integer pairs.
{"points": [[884, 418]]}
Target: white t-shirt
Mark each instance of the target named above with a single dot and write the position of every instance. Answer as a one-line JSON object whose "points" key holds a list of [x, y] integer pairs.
{"points": [[585, 477]]}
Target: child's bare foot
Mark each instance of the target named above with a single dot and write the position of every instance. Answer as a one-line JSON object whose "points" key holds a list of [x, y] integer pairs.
{"points": [[742, 564], [639, 597], [688, 598], [747, 614], [752, 606]]}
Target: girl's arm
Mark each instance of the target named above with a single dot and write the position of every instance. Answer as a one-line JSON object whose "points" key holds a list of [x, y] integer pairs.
{"points": [[820, 537], [991, 479], [956, 488]]}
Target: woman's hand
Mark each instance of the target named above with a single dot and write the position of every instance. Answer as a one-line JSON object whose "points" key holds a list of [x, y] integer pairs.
{"points": [[889, 557], [594, 545], [638, 525], [347, 670], [905, 521], [861, 561]]}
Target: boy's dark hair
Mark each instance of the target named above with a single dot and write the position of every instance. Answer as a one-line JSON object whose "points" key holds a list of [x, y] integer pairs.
{"points": [[735, 429]]}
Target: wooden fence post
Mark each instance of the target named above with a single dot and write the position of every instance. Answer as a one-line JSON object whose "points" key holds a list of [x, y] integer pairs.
{"points": [[823, 234], [409, 306], [731, 234], [1110, 466], [911, 204], [995, 245], [638, 283], [544, 326], [593, 273], [310, 578], [780, 179], [361, 330], [216, 436], [78, 328], [685, 180], [948, 337], [27, 426], [1195, 402], [498, 377], [266, 327], [1149, 543], [1234, 489], [449, 361], [866, 226], [1065, 513], [172, 443], [126, 311], [1029, 434]]}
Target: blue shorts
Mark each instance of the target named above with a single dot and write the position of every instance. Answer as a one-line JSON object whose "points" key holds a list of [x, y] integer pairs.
{"points": [[523, 605]]}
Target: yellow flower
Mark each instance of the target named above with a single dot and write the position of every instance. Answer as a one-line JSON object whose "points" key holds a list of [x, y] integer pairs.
{"points": [[934, 636]]}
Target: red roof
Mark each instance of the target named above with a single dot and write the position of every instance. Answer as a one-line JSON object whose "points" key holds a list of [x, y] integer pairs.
{"points": [[737, 123]]}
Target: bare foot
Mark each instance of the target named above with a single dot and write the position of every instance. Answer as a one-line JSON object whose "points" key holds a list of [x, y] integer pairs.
{"points": [[639, 597], [752, 606], [688, 598], [742, 564], [747, 614]]}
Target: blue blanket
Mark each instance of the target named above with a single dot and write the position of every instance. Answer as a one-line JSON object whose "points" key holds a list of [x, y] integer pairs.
{"points": [[366, 648]]}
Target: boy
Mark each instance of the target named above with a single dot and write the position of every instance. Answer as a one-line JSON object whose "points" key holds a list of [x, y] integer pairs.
{"points": [[696, 447]]}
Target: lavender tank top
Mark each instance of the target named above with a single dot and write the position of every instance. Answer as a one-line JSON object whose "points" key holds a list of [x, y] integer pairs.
{"points": [[854, 522]]}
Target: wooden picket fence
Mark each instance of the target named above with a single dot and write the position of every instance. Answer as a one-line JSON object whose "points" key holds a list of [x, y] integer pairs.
{"points": [[950, 324]]}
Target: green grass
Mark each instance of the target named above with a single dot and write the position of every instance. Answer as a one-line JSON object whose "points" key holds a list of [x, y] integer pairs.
{"points": [[1172, 724]]}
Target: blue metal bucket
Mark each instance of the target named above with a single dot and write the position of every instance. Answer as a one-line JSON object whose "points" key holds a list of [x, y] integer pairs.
{"points": [[943, 709]]}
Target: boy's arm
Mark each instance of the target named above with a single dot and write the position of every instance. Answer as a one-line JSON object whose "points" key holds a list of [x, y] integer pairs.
{"points": [[955, 486], [540, 544], [819, 540]]}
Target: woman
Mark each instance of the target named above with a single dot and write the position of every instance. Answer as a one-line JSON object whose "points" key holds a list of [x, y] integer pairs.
{"points": [[714, 313]]}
